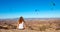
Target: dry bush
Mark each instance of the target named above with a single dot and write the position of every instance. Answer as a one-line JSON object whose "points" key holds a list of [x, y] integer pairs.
{"points": [[43, 28], [39, 27], [34, 28], [7, 26], [57, 28]]}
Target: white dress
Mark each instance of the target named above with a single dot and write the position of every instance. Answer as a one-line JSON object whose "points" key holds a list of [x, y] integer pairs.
{"points": [[21, 25]]}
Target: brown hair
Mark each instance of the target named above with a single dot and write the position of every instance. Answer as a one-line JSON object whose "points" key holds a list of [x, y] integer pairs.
{"points": [[21, 20]]}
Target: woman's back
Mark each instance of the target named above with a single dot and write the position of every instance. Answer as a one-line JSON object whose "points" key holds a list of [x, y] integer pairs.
{"points": [[21, 23]]}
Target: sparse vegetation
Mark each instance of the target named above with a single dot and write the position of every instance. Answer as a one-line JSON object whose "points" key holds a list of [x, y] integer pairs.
{"points": [[34, 26]]}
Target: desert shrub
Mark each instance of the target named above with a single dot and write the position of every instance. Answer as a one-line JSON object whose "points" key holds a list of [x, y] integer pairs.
{"points": [[57, 28], [12, 26], [30, 27], [42, 28], [3, 27], [34, 28]]}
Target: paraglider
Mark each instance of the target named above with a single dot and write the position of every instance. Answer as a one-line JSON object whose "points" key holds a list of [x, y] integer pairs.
{"points": [[53, 4], [36, 11]]}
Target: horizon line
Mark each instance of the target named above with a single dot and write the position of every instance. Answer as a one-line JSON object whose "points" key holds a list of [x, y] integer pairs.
{"points": [[24, 18]]}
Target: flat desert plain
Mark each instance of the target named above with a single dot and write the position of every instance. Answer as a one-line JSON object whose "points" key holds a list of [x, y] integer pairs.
{"points": [[32, 25]]}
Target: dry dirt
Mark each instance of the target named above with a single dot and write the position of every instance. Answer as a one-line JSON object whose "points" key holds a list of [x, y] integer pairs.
{"points": [[50, 25]]}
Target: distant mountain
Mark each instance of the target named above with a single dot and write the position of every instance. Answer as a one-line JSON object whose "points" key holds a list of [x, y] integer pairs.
{"points": [[15, 19], [40, 18]]}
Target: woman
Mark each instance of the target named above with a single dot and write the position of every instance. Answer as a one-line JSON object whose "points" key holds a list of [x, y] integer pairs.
{"points": [[21, 23]]}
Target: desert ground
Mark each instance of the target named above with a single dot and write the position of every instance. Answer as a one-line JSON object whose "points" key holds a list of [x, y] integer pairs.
{"points": [[33, 25]]}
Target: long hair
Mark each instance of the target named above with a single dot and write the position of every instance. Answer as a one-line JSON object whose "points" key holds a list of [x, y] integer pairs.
{"points": [[21, 20]]}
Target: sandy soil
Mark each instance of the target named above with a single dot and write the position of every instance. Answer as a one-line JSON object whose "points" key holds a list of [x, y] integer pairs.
{"points": [[51, 25]]}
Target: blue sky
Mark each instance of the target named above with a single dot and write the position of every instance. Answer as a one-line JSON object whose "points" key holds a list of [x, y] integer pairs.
{"points": [[26, 8]]}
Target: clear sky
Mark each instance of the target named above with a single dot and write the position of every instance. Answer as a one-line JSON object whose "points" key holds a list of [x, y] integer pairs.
{"points": [[26, 8]]}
